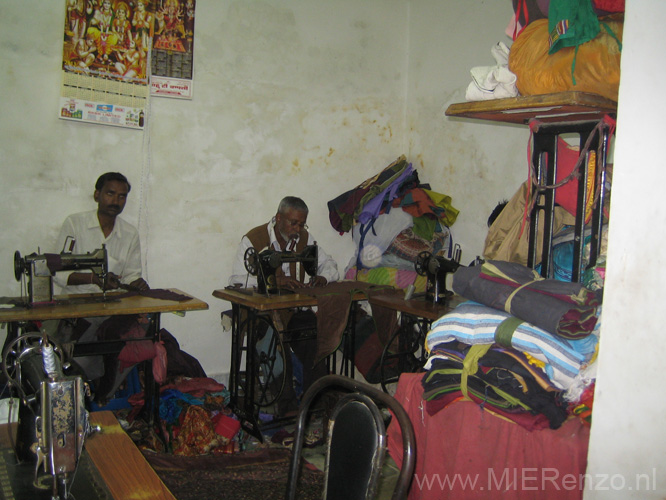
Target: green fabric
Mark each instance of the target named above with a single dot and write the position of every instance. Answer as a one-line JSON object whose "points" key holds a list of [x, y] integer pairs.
{"points": [[470, 367], [446, 203], [424, 227], [505, 331], [571, 23], [471, 364]]}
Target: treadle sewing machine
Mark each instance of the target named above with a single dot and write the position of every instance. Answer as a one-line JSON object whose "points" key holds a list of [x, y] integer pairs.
{"points": [[436, 268], [52, 419], [53, 422], [264, 264], [40, 270]]}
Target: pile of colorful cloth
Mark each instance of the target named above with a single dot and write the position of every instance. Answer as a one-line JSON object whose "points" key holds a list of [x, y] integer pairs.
{"points": [[194, 415], [522, 347], [392, 218]]}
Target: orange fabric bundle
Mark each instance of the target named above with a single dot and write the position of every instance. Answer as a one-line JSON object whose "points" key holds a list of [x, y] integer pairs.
{"points": [[597, 62]]}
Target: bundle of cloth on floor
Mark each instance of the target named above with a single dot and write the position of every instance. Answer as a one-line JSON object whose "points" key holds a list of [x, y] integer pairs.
{"points": [[522, 346]]}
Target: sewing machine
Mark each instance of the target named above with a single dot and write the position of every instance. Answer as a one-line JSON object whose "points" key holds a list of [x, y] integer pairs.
{"points": [[264, 264], [40, 270], [53, 422], [436, 268]]}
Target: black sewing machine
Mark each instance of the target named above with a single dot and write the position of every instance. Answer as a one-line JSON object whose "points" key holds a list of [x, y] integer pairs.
{"points": [[436, 269], [264, 264], [40, 270]]}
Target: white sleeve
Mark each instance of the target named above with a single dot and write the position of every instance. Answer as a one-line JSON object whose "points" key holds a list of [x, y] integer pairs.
{"points": [[327, 267], [132, 269]]}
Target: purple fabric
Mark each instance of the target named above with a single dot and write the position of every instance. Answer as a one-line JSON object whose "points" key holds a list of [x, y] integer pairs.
{"points": [[373, 207], [159, 293]]}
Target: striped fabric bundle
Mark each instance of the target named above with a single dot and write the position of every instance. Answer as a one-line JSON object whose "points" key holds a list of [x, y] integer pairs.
{"points": [[472, 323]]}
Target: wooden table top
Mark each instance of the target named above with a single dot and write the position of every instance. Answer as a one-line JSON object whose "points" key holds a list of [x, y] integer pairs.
{"points": [[90, 305], [250, 298], [122, 466], [125, 471], [416, 306]]}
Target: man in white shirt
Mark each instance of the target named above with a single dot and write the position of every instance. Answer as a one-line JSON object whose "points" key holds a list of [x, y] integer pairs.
{"points": [[288, 231], [90, 230], [83, 233]]}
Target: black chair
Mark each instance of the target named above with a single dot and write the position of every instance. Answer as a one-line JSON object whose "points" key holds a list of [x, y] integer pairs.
{"points": [[356, 441]]}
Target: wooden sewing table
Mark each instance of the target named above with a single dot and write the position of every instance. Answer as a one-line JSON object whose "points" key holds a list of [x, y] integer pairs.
{"points": [[99, 304], [416, 315], [247, 303], [111, 466]]}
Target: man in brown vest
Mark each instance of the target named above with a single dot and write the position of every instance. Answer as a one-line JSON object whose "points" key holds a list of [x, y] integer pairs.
{"points": [[288, 231]]}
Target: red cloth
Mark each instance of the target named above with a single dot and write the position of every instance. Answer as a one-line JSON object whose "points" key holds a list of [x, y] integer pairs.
{"points": [[196, 387], [226, 426], [496, 458]]}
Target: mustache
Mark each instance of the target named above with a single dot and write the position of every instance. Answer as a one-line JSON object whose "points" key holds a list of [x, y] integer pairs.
{"points": [[117, 207]]}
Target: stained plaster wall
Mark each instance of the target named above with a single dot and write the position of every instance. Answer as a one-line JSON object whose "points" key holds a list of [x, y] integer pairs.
{"points": [[301, 97], [311, 97]]}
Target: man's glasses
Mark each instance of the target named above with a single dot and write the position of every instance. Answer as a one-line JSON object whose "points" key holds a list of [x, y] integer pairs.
{"points": [[294, 223]]}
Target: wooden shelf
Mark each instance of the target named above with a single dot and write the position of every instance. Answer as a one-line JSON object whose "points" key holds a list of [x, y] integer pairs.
{"points": [[548, 108]]}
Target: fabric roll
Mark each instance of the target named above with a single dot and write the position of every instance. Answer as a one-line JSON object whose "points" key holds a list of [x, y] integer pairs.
{"points": [[565, 309]]}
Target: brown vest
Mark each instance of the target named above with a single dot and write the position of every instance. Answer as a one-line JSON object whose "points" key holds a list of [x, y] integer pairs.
{"points": [[260, 241]]}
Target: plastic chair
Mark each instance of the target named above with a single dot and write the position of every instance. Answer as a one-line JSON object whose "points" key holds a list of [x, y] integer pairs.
{"points": [[356, 441]]}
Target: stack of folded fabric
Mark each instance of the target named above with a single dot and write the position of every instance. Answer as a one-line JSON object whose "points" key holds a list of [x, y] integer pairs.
{"points": [[486, 350]]}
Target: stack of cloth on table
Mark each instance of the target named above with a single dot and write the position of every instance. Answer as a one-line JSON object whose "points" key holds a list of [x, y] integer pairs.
{"points": [[392, 218], [522, 347]]}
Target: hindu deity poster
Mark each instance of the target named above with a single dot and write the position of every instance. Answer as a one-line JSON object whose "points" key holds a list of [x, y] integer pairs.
{"points": [[105, 61], [173, 49]]}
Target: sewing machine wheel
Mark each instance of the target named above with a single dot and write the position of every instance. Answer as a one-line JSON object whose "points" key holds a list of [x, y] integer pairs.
{"points": [[270, 370], [421, 263], [251, 261], [19, 265], [18, 350], [404, 353]]}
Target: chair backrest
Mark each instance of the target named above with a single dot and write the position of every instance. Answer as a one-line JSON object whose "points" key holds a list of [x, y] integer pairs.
{"points": [[356, 441], [356, 446]]}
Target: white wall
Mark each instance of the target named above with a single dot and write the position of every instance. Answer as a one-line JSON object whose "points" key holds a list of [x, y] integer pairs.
{"points": [[628, 437], [477, 163], [302, 97], [310, 97]]}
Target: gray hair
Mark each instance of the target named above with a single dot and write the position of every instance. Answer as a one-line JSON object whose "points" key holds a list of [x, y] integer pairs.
{"points": [[292, 202]]}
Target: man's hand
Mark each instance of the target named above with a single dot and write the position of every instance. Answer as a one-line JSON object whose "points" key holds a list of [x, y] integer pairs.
{"points": [[139, 284], [318, 281], [111, 282], [288, 282]]}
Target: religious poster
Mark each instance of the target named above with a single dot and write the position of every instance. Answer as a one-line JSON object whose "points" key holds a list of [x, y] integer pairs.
{"points": [[173, 49], [106, 51]]}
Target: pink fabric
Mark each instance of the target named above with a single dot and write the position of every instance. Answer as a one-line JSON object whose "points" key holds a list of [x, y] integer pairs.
{"points": [[143, 350], [160, 363], [464, 453], [136, 351]]}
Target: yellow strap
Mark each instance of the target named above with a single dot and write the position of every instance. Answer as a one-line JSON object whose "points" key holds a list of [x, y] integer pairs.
{"points": [[471, 365], [507, 304]]}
